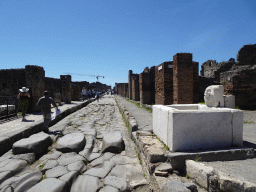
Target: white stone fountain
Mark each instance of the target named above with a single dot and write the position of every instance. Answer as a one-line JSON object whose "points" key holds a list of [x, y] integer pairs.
{"points": [[186, 127]]}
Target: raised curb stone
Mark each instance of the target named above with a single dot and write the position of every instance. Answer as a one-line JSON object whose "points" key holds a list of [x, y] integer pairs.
{"points": [[74, 142], [113, 142], [36, 143]]}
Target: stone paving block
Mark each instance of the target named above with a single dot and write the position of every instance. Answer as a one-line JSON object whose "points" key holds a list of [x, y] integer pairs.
{"points": [[101, 172], [113, 142], [77, 166], [116, 182], [49, 165], [13, 165], [56, 172], [174, 186], [70, 178], [50, 185], [5, 175], [122, 160], [55, 155], [94, 156], [85, 183], [109, 188], [37, 143], [26, 181], [74, 142], [69, 160], [29, 157]]}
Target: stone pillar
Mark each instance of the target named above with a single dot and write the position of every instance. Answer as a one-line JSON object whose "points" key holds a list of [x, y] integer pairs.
{"points": [[66, 88], [182, 78], [126, 90], [152, 84], [135, 88], [164, 83], [35, 82], [195, 83], [144, 83], [130, 84]]}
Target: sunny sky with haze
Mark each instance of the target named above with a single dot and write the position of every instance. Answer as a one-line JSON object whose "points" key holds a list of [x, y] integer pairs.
{"points": [[110, 37]]}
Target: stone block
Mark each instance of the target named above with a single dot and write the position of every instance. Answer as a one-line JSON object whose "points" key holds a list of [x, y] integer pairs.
{"points": [[229, 101], [199, 172]]}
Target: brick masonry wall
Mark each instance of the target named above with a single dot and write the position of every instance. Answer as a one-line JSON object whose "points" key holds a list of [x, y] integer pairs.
{"points": [[242, 84], [135, 87], [53, 86], [164, 83], [182, 78], [195, 82], [152, 84], [144, 84], [35, 76], [75, 92]]}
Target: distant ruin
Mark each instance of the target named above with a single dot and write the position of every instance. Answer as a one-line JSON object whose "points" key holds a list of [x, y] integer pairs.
{"points": [[33, 77], [173, 84]]}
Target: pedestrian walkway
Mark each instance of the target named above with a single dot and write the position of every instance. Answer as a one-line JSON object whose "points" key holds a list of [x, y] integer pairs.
{"points": [[244, 170], [142, 116]]}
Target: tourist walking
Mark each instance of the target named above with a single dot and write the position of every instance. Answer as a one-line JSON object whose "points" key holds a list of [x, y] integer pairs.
{"points": [[89, 94], [45, 104], [84, 94], [93, 93], [23, 97], [97, 96]]}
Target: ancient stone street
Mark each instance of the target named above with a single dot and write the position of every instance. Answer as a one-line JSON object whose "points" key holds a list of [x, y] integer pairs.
{"points": [[95, 154]]}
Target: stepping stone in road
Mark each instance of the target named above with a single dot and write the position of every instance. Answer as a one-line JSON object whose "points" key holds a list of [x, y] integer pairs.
{"points": [[51, 184], [14, 165], [77, 166], [74, 142], [113, 142], [37, 143], [29, 157]]}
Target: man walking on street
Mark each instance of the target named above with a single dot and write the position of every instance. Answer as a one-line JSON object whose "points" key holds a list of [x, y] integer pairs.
{"points": [[45, 104]]}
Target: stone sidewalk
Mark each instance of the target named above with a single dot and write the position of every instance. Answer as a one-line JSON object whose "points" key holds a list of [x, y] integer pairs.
{"points": [[16, 129], [240, 170]]}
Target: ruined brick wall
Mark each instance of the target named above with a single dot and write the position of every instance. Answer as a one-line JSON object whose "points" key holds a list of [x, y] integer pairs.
{"points": [[144, 84], [81, 84], [75, 92], [182, 78], [130, 84], [247, 55], [195, 82], [53, 86], [11, 80], [35, 77], [242, 84], [135, 87], [66, 88], [164, 83], [152, 84]]}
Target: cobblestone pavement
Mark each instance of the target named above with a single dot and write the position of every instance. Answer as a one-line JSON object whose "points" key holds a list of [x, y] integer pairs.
{"points": [[98, 166]]}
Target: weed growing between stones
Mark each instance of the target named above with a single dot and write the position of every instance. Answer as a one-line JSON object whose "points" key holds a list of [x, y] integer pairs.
{"points": [[237, 107], [140, 106], [187, 176], [145, 175], [43, 178], [165, 146], [197, 158], [42, 166], [250, 122]]}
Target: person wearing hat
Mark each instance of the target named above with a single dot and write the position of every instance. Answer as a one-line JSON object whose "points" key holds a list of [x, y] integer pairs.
{"points": [[45, 104], [23, 97]]}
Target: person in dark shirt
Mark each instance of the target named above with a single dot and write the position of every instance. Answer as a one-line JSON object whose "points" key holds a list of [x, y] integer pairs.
{"points": [[45, 104], [23, 97]]}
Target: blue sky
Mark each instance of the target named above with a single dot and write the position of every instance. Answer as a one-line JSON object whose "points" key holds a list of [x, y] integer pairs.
{"points": [[110, 37]]}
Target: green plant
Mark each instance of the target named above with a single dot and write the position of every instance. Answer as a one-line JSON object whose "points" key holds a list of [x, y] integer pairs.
{"points": [[42, 166], [29, 164], [197, 158], [144, 175], [43, 177], [86, 162], [250, 122], [201, 103], [54, 143], [187, 176], [237, 107]]}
